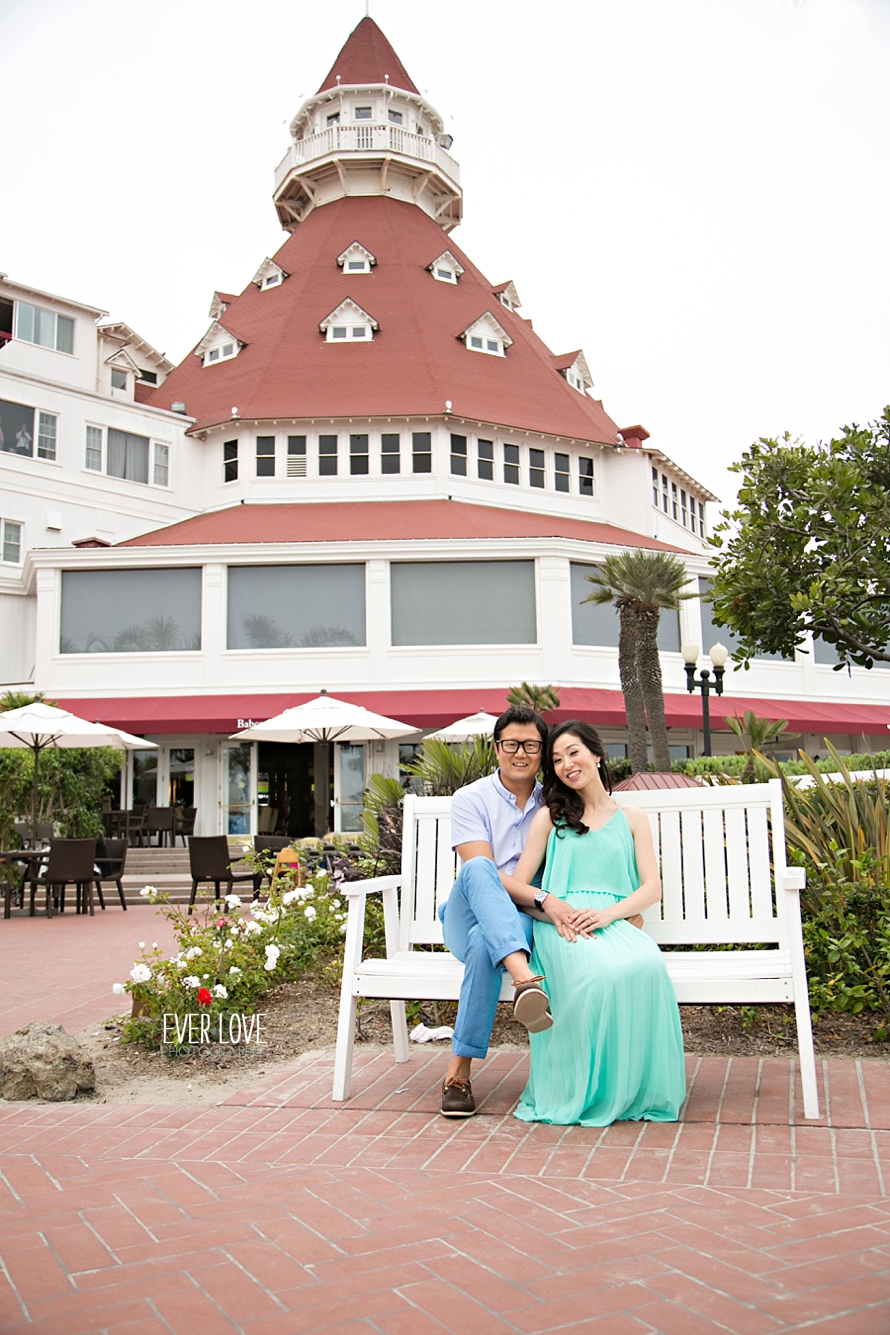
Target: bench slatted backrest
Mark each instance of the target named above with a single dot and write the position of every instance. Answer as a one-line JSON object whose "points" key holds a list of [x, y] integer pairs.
{"points": [[429, 866], [719, 850]]}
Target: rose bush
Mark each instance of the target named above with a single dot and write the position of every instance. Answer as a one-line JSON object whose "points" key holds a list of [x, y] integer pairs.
{"points": [[230, 955]]}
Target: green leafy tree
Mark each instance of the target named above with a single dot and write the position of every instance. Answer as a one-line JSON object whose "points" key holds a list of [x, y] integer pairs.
{"points": [[639, 584], [539, 698], [755, 733], [443, 767], [805, 550], [17, 699]]}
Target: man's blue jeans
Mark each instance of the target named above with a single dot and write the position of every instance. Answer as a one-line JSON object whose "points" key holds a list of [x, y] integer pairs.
{"points": [[482, 925]]}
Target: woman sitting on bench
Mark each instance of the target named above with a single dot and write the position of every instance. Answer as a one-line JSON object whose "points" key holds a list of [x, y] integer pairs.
{"points": [[615, 1051]]}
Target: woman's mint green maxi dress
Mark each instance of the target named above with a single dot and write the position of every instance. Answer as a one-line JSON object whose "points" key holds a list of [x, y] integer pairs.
{"points": [[615, 1051]]}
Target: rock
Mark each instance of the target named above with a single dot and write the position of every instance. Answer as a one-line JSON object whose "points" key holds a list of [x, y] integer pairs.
{"points": [[41, 1061]]}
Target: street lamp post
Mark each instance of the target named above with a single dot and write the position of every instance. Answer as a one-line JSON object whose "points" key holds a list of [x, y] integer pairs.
{"points": [[718, 655]]}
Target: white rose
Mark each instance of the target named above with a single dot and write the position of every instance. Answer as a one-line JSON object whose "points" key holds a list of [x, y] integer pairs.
{"points": [[322, 871], [193, 952], [310, 912], [308, 892], [272, 949], [245, 848], [289, 896], [141, 945], [233, 901], [191, 980], [220, 991], [118, 989], [343, 927], [140, 973], [252, 929], [335, 903], [147, 891], [271, 963], [234, 970]]}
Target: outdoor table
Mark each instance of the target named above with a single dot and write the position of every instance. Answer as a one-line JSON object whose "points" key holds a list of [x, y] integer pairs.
{"points": [[30, 855]]}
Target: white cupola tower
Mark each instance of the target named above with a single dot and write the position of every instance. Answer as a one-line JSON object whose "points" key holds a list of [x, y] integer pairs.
{"points": [[368, 131]]}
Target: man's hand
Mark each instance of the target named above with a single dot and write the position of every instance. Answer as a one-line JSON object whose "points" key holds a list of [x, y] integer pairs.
{"points": [[636, 920], [562, 916]]}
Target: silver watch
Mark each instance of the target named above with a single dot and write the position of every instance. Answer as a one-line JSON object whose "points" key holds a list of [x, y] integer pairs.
{"points": [[540, 897]]}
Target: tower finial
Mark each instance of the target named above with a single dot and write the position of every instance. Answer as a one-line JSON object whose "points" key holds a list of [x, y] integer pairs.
{"points": [[367, 9]]}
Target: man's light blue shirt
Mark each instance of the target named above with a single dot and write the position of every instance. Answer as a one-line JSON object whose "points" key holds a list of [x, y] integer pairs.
{"points": [[487, 811]]}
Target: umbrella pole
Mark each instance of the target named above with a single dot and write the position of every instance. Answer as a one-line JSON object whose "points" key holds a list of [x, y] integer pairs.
{"points": [[34, 793]]}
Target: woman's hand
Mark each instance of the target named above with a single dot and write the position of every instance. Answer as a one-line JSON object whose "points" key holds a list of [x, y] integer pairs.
{"points": [[563, 917], [585, 921]]}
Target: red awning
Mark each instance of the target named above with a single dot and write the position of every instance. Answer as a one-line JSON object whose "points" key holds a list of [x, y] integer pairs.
{"points": [[157, 715]]}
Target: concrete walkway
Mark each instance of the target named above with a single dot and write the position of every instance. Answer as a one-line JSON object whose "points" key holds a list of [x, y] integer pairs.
{"points": [[282, 1212]]}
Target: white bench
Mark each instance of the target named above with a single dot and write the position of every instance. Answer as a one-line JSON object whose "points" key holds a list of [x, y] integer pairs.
{"points": [[724, 881]]}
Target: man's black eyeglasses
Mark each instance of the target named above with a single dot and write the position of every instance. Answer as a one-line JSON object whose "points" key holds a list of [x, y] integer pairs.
{"points": [[511, 746]]}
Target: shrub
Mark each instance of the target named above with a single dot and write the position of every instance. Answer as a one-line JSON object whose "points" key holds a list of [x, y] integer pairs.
{"points": [[443, 767], [847, 944]]}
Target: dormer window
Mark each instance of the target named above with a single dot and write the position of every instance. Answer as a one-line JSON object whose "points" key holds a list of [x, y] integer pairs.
{"points": [[486, 335], [573, 367], [218, 345], [445, 268], [356, 259], [348, 324], [508, 296], [269, 274]]}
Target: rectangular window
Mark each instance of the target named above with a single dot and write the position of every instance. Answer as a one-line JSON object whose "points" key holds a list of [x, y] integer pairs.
{"points": [[359, 331], [674, 507], [422, 452], [161, 474], [701, 519], [265, 456], [47, 424], [459, 455], [463, 602], [296, 456], [683, 508], [118, 378], [16, 429], [48, 330], [296, 607], [562, 474], [485, 462], [363, 113], [230, 461], [389, 452], [12, 542], [333, 118], [131, 611], [94, 449], [396, 117], [536, 468], [127, 456], [664, 494], [327, 456], [655, 493], [511, 464], [585, 477], [358, 455], [148, 377]]}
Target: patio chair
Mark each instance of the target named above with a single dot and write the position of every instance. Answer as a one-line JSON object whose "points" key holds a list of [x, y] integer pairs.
{"points": [[111, 859], [209, 860], [69, 860], [135, 824], [160, 821], [184, 823], [267, 843]]}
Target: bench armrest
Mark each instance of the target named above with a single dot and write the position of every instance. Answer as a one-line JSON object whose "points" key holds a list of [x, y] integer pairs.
{"points": [[794, 879], [378, 885]]}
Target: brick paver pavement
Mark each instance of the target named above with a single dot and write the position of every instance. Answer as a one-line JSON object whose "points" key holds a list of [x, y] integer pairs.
{"points": [[279, 1212]]}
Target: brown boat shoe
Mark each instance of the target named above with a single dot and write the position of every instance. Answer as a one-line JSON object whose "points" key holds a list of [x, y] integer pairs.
{"points": [[531, 1006], [457, 1099]]}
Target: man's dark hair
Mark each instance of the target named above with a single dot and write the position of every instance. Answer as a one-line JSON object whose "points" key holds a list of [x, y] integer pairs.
{"points": [[520, 714]]}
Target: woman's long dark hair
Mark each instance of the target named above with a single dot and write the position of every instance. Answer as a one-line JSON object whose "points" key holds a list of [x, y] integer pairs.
{"points": [[566, 806]]}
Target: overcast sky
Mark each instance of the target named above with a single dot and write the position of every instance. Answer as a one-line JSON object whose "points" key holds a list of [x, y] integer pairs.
{"points": [[694, 191]]}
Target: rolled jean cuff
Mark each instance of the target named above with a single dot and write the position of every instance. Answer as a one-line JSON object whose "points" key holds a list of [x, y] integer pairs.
{"points": [[519, 943], [465, 1050]]}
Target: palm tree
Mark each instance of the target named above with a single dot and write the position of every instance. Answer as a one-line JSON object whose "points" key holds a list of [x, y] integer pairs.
{"points": [[539, 698], [640, 583], [756, 732]]}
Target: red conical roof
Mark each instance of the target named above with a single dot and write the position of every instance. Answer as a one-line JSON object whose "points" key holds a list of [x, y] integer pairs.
{"points": [[366, 58], [415, 362]]}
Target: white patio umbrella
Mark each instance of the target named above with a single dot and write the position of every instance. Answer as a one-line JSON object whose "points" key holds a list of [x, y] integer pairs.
{"points": [[39, 726], [479, 724], [325, 719]]}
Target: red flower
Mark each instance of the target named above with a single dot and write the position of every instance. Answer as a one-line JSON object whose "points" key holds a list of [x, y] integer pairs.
{"points": [[204, 997]]}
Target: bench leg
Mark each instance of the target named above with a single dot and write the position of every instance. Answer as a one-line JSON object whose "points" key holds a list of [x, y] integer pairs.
{"points": [[808, 1077], [399, 1030], [345, 1045]]}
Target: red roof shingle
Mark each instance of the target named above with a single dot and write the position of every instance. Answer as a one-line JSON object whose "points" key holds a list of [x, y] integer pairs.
{"points": [[367, 58], [415, 361], [381, 521]]}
